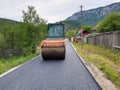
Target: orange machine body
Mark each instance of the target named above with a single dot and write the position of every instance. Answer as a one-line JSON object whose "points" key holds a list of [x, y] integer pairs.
{"points": [[53, 43]]}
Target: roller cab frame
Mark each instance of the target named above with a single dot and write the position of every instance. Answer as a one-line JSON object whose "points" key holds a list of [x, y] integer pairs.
{"points": [[54, 46]]}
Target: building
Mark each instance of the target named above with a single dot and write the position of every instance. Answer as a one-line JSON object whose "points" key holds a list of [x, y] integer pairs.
{"points": [[83, 34]]}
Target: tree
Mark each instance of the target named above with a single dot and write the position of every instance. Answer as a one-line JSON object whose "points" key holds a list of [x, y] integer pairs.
{"points": [[110, 23], [88, 28], [22, 38], [31, 16], [72, 33], [9, 40], [8, 34], [35, 28]]}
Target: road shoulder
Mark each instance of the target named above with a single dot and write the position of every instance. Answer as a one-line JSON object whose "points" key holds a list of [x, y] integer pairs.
{"points": [[9, 71], [98, 75]]}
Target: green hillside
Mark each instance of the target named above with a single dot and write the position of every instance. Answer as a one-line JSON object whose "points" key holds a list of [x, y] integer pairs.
{"points": [[90, 17], [7, 21]]}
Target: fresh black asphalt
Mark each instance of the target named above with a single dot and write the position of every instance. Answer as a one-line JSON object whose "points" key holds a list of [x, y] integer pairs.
{"points": [[68, 74]]}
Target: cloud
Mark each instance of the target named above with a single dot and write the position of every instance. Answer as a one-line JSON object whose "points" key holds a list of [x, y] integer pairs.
{"points": [[52, 10]]}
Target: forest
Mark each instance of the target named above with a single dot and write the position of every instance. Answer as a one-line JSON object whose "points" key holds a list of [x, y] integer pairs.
{"points": [[22, 38]]}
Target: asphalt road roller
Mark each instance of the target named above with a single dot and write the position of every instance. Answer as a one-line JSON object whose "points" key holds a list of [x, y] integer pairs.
{"points": [[54, 46]]}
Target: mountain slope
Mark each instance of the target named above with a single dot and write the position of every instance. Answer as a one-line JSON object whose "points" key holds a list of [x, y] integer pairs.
{"points": [[90, 17], [7, 21]]}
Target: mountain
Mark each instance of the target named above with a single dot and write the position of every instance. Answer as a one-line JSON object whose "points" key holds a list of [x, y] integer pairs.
{"points": [[7, 21], [90, 17]]}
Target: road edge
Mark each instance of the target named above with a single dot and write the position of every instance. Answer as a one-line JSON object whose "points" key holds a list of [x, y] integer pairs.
{"points": [[14, 68], [98, 75]]}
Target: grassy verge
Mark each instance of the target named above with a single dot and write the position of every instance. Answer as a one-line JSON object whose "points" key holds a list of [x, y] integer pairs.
{"points": [[107, 60], [6, 64]]}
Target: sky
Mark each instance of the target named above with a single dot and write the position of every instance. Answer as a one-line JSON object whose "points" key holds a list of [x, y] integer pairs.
{"points": [[51, 10]]}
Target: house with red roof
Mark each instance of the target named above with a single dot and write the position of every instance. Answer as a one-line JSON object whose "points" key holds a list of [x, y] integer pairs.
{"points": [[83, 34]]}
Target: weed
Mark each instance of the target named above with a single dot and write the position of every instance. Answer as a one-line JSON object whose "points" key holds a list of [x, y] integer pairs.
{"points": [[6, 64], [107, 60]]}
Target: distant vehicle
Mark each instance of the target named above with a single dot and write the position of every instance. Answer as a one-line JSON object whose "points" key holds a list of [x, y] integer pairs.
{"points": [[54, 47]]}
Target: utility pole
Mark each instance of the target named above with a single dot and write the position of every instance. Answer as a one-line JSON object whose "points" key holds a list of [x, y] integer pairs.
{"points": [[81, 25], [81, 16]]}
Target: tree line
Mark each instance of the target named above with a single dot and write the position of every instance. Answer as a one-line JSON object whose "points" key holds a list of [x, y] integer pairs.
{"points": [[22, 38], [109, 24]]}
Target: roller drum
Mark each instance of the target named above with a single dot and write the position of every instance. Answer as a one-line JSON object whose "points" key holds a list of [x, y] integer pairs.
{"points": [[53, 53]]}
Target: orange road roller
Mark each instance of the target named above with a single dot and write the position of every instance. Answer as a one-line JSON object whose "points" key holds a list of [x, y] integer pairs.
{"points": [[54, 46]]}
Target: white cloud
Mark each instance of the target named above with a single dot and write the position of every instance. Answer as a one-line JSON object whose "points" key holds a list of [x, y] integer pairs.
{"points": [[52, 10], [62, 1]]}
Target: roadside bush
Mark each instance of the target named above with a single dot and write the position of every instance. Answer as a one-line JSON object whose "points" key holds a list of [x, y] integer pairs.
{"points": [[110, 23]]}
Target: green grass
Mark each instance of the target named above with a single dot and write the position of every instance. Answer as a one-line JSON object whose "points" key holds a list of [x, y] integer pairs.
{"points": [[6, 64], [107, 60]]}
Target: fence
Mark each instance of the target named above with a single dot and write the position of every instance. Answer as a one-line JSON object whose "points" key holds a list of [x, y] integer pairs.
{"points": [[108, 40]]}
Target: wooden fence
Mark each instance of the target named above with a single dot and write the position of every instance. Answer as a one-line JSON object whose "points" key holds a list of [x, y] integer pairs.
{"points": [[108, 40]]}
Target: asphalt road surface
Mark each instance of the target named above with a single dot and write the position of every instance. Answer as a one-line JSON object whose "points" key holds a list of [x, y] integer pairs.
{"points": [[68, 74]]}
